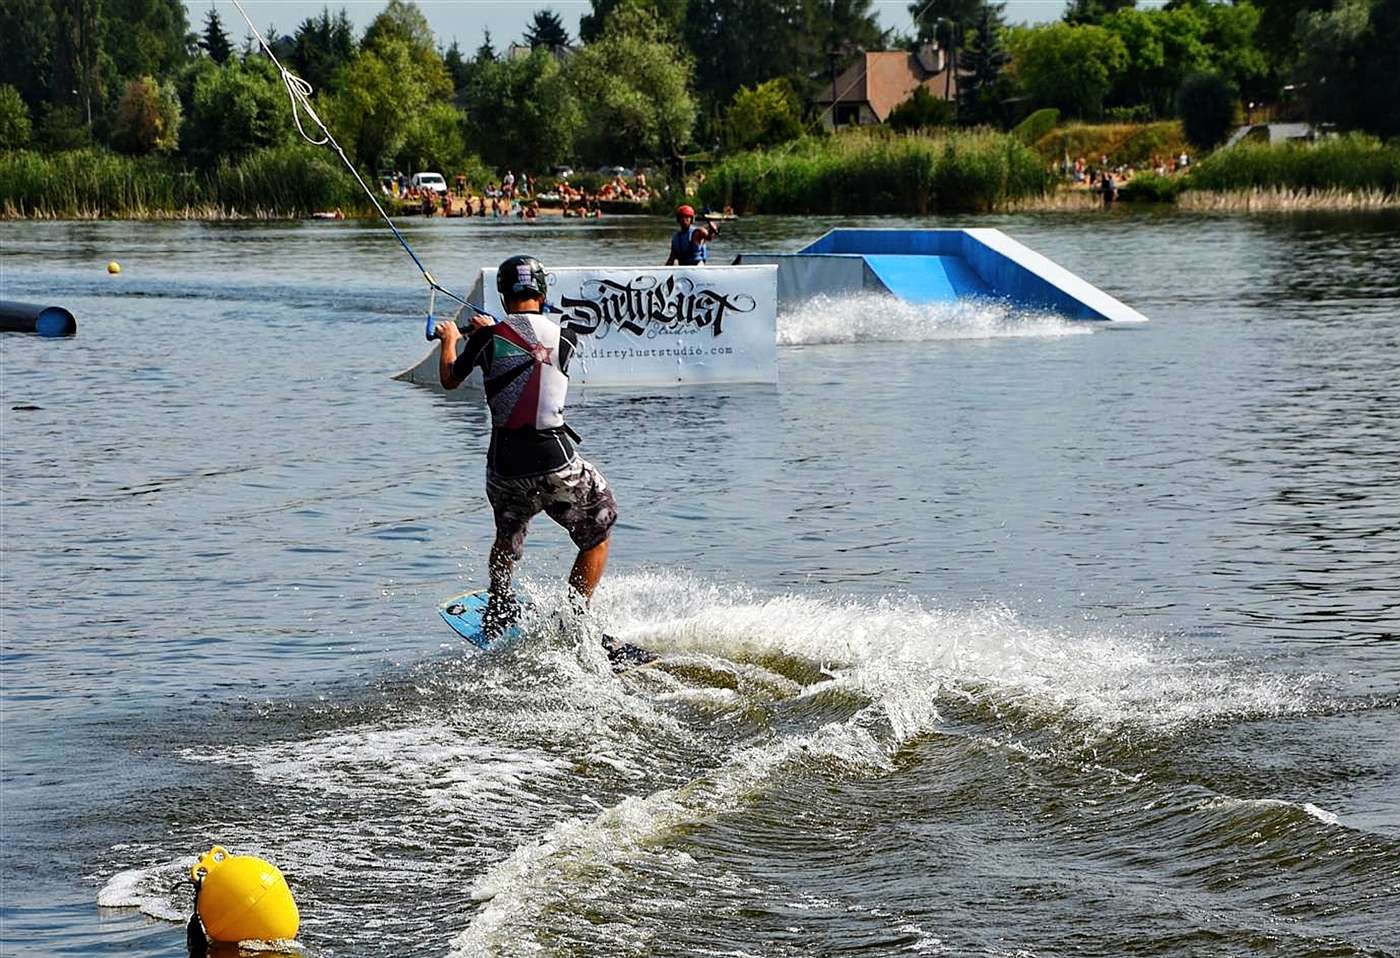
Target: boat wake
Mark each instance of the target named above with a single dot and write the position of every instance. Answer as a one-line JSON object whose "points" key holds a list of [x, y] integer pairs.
{"points": [[532, 797]]}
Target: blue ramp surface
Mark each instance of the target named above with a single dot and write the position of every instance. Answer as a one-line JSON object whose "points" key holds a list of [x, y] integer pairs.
{"points": [[926, 279]]}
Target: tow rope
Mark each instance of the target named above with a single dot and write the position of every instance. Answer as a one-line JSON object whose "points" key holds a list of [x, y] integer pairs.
{"points": [[299, 93]]}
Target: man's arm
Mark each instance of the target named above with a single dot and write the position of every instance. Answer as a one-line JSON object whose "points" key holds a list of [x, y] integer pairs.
{"points": [[453, 369], [448, 335]]}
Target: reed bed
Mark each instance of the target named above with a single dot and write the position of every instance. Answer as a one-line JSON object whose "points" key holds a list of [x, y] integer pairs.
{"points": [[290, 179], [1062, 200], [1335, 168], [1280, 200], [184, 213], [94, 184], [876, 172]]}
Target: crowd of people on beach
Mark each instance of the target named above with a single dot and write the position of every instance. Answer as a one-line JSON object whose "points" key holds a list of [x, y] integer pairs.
{"points": [[512, 196], [1106, 178], [619, 189]]}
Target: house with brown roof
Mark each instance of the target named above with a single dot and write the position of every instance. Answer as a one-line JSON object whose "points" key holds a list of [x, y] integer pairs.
{"points": [[879, 80]]}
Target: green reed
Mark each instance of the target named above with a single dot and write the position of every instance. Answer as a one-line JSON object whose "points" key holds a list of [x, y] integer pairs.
{"points": [[278, 181], [91, 183], [284, 180], [878, 172], [1352, 162]]}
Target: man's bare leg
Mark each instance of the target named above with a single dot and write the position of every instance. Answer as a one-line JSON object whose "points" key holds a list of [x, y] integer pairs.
{"points": [[502, 566], [500, 607], [588, 569], [583, 579]]}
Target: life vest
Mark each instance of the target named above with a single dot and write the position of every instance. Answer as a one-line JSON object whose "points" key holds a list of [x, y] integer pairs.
{"points": [[686, 250], [526, 372]]}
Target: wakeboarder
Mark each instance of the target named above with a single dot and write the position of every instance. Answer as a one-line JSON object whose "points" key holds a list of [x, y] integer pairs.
{"points": [[532, 465]]}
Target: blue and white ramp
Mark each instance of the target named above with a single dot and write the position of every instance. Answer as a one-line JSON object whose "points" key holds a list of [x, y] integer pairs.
{"points": [[926, 279], [939, 266]]}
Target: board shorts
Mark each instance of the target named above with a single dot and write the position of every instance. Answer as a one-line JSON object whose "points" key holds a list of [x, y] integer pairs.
{"points": [[575, 496]]}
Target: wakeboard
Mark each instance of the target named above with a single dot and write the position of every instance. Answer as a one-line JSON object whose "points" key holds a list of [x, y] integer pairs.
{"points": [[464, 613]]}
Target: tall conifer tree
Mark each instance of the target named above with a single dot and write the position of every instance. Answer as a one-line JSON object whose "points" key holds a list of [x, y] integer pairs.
{"points": [[932, 18], [546, 30], [981, 61], [215, 41], [1094, 11], [322, 45], [486, 53]]}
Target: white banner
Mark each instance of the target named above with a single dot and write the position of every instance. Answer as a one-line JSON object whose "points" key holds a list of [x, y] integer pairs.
{"points": [[658, 325]]}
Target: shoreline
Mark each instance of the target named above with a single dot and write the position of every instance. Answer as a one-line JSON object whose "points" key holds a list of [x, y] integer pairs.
{"points": [[1258, 200], [211, 213], [215, 214], [1246, 202]]}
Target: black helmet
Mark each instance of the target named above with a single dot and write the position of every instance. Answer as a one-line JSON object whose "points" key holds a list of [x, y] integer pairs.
{"points": [[521, 274]]}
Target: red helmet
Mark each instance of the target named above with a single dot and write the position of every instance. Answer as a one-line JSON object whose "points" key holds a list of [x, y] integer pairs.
{"points": [[686, 211]]}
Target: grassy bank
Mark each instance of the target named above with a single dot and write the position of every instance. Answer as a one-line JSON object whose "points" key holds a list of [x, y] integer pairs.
{"points": [[1353, 172], [279, 181], [1133, 144], [1349, 164], [875, 172]]}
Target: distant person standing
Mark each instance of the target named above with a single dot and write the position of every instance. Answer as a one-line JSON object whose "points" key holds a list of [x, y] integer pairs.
{"points": [[689, 244], [508, 184], [1109, 186]]}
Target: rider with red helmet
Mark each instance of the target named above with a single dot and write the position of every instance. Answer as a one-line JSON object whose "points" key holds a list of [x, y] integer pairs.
{"points": [[689, 244]]}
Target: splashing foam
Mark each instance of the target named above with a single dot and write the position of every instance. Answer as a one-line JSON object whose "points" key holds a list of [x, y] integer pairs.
{"points": [[497, 757], [159, 891], [435, 762], [877, 318], [898, 646], [898, 656], [509, 748]]}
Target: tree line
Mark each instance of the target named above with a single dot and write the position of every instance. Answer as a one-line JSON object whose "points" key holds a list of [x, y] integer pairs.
{"points": [[654, 80]]}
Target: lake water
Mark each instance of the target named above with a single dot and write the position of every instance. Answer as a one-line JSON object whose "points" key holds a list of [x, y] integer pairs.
{"points": [[981, 634]]}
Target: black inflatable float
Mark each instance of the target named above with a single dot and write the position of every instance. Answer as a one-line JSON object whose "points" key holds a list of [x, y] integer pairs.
{"points": [[49, 321]]}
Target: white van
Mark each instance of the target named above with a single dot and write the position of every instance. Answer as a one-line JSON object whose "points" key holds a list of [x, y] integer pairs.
{"points": [[429, 181]]}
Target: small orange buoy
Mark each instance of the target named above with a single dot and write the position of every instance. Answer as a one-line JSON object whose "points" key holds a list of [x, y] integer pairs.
{"points": [[242, 898], [114, 267]]}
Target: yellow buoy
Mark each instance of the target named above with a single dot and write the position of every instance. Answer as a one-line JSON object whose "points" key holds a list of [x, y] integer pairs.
{"points": [[114, 267], [242, 898]]}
